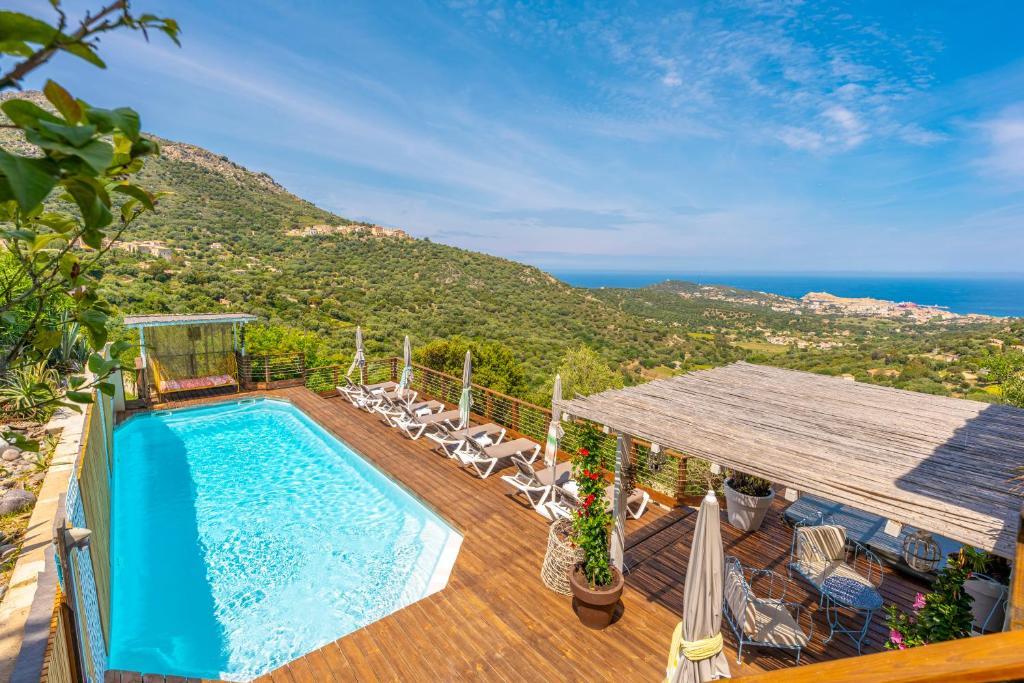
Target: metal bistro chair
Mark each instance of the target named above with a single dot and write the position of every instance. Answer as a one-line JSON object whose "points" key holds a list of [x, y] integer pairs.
{"points": [[828, 560], [762, 621]]}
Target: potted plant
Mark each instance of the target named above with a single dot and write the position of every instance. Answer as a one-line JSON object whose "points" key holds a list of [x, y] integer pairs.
{"points": [[747, 499], [596, 586], [987, 582], [943, 614]]}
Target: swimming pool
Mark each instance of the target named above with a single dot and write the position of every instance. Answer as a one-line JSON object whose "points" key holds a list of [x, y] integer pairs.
{"points": [[245, 535]]}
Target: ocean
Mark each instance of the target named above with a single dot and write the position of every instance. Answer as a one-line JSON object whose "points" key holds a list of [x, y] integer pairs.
{"points": [[1001, 295]]}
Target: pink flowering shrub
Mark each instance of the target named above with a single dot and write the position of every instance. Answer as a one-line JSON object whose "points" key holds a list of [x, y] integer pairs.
{"points": [[943, 614]]}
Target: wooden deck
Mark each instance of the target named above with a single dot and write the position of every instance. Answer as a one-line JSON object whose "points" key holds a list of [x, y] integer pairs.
{"points": [[497, 621]]}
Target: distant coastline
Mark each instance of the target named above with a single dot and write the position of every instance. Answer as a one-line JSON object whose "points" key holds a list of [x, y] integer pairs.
{"points": [[998, 295]]}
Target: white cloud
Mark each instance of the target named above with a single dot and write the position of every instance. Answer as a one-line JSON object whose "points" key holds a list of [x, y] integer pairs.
{"points": [[802, 138], [1004, 135], [850, 130]]}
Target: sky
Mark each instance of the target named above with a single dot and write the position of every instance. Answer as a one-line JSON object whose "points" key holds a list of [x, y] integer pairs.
{"points": [[722, 136]]}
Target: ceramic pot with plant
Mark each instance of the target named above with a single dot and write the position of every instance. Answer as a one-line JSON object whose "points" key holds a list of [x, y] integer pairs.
{"points": [[596, 585], [747, 499], [988, 583]]}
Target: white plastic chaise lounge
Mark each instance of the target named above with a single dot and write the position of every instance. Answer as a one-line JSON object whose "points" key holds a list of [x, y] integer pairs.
{"points": [[562, 501], [360, 394], [393, 405], [414, 425], [484, 459], [537, 485], [373, 395], [449, 441]]}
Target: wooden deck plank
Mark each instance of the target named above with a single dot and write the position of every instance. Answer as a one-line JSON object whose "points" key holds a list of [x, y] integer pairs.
{"points": [[496, 621]]}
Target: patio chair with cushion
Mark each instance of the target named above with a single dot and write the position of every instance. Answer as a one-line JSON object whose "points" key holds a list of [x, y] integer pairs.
{"points": [[845, 573], [766, 620]]}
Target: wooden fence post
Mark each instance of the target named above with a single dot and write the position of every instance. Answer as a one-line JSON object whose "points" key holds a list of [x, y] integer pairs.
{"points": [[681, 481], [394, 369], [266, 371], [67, 612], [302, 367]]}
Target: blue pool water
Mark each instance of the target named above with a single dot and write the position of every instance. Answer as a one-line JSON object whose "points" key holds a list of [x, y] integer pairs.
{"points": [[245, 535]]}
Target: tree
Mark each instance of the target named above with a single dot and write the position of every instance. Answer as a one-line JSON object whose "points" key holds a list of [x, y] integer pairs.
{"points": [[494, 364], [68, 197], [584, 372], [1007, 369]]}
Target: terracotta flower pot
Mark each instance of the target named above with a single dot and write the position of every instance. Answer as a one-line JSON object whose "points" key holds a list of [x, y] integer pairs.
{"points": [[595, 608], [746, 512]]}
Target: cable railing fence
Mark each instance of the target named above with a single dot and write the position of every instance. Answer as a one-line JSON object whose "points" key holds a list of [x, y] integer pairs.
{"points": [[675, 477]]}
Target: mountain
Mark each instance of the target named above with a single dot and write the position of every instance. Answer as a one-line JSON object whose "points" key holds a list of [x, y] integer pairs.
{"points": [[229, 238]]}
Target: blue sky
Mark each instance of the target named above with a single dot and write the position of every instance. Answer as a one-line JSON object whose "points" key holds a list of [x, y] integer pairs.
{"points": [[751, 135]]}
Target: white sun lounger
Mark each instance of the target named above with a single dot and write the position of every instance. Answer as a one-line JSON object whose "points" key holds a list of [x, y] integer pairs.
{"points": [[451, 440], [484, 459], [414, 425], [537, 485]]}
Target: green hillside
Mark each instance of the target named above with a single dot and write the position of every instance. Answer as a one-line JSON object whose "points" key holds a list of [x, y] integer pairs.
{"points": [[228, 228]]}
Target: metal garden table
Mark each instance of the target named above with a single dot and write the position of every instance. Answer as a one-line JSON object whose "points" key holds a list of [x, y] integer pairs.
{"points": [[844, 592]]}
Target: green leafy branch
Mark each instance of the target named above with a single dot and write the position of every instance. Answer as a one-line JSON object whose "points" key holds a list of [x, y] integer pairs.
{"points": [[65, 202]]}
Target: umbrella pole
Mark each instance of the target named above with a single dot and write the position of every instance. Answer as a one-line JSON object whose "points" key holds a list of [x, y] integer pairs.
{"points": [[623, 448]]}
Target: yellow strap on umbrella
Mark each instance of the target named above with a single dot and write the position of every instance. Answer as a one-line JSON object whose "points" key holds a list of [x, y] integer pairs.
{"points": [[694, 650]]}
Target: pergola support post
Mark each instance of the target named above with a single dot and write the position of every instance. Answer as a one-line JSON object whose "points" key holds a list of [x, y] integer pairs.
{"points": [[1015, 613], [142, 346], [623, 454]]}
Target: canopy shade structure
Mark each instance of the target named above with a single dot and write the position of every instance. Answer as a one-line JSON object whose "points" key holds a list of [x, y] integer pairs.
{"points": [[941, 464], [160, 320], [187, 353]]}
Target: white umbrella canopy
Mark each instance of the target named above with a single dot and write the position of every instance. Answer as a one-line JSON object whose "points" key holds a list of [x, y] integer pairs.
{"points": [[702, 598], [407, 370], [555, 431], [360, 358], [466, 400]]}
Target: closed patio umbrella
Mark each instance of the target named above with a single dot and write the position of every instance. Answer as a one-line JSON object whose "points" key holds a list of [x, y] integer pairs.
{"points": [[406, 379], [466, 400], [360, 357], [702, 601], [555, 431]]}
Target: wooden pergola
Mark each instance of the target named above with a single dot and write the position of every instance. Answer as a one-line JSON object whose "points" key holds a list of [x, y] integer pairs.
{"points": [[941, 464], [936, 463]]}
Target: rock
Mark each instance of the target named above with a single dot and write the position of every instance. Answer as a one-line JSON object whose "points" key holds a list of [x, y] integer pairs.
{"points": [[10, 454], [16, 500], [7, 551], [29, 456], [36, 478]]}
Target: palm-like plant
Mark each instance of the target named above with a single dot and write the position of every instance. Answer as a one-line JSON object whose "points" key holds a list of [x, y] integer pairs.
{"points": [[26, 390], [72, 351]]}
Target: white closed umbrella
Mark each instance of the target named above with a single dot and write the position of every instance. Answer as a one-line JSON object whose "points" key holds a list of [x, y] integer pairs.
{"points": [[406, 379], [466, 400], [555, 431], [702, 601], [360, 358]]}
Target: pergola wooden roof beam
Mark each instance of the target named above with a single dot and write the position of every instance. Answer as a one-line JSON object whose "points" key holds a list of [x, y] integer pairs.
{"points": [[934, 462]]}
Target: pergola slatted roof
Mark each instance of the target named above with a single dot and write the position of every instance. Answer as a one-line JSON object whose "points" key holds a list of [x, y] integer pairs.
{"points": [[160, 319], [937, 463]]}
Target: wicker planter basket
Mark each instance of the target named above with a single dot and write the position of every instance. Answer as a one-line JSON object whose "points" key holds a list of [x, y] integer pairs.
{"points": [[560, 557]]}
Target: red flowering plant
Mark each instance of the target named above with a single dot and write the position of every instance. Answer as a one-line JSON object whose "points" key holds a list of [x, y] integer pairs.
{"points": [[592, 520]]}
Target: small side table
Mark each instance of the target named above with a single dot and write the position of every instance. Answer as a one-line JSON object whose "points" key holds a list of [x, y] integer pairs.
{"points": [[844, 592]]}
